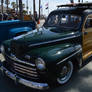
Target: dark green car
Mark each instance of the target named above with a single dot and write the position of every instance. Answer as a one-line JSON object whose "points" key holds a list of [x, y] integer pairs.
{"points": [[48, 56]]}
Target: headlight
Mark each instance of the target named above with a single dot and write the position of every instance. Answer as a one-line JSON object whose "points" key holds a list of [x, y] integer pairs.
{"points": [[2, 49], [40, 64]]}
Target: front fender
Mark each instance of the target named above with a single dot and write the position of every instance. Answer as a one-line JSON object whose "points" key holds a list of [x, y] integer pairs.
{"points": [[56, 56], [59, 54]]}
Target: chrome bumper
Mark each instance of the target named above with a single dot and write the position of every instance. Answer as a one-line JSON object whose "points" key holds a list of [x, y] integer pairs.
{"points": [[17, 79]]}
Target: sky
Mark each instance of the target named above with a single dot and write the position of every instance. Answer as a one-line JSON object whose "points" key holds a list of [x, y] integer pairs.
{"points": [[52, 4]]}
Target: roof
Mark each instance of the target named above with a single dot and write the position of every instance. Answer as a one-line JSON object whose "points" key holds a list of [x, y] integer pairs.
{"points": [[78, 5], [79, 8]]}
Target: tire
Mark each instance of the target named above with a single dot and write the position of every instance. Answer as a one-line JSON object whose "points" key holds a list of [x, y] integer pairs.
{"points": [[66, 73]]}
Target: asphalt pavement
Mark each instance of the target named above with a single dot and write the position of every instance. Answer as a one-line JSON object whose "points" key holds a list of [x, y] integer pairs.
{"points": [[81, 82]]}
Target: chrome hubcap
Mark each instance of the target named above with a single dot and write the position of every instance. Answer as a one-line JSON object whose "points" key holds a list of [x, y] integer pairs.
{"points": [[66, 73]]}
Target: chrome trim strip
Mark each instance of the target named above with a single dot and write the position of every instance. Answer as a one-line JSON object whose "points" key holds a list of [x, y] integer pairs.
{"points": [[23, 62], [69, 56], [36, 85], [37, 44]]}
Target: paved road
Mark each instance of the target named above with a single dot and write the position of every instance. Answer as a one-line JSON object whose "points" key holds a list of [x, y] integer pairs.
{"points": [[81, 82]]}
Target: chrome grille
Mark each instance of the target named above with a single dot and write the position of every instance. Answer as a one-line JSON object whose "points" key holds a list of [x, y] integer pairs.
{"points": [[26, 70], [29, 71]]}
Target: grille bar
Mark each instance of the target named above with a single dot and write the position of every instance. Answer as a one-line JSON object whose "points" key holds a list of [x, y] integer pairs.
{"points": [[25, 70], [27, 76], [22, 66]]}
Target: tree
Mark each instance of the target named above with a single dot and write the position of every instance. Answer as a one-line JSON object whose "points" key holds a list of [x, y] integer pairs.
{"points": [[72, 1], [79, 1], [2, 1], [13, 4], [21, 9], [24, 12], [23, 5], [39, 8], [7, 2], [27, 6], [34, 7], [17, 5]]}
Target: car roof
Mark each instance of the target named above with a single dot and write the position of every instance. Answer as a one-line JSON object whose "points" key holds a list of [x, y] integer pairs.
{"points": [[79, 9]]}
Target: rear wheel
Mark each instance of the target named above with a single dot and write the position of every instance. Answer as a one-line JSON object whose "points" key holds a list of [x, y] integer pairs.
{"points": [[65, 73]]}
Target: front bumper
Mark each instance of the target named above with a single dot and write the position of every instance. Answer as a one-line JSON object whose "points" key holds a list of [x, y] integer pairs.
{"points": [[17, 79]]}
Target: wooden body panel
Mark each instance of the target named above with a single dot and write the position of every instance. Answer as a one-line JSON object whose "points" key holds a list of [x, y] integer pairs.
{"points": [[87, 38]]}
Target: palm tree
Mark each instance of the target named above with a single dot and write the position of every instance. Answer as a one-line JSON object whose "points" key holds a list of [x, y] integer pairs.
{"points": [[21, 9], [79, 1], [23, 5], [2, 1], [72, 1], [17, 6], [7, 2], [34, 7], [39, 8], [27, 6], [13, 4]]}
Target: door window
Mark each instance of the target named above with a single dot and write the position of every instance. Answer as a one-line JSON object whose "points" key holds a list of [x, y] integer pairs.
{"points": [[88, 23]]}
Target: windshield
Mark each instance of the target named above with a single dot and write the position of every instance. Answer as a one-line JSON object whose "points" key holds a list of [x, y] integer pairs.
{"points": [[63, 20]]}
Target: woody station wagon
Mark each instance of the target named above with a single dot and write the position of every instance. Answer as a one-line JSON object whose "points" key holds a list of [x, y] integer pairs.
{"points": [[50, 55]]}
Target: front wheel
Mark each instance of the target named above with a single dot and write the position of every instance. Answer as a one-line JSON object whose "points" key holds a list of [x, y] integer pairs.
{"points": [[65, 73]]}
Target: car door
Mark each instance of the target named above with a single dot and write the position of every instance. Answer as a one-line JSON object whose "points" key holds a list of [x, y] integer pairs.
{"points": [[87, 37]]}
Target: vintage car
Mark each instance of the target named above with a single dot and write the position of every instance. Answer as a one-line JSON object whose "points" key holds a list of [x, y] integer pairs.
{"points": [[10, 29], [50, 55]]}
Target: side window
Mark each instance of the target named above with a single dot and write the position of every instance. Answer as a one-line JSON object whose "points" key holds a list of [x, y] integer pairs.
{"points": [[53, 20], [88, 23]]}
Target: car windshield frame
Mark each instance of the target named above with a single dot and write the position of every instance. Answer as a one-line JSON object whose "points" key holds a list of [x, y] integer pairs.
{"points": [[65, 27]]}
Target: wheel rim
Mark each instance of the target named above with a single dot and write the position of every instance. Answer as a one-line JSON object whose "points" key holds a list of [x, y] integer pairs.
{"points": [[66, 73]]}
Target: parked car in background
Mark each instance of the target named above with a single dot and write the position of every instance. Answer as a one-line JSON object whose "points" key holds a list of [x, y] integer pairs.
{"points": [[49, 56], [10, 29]]}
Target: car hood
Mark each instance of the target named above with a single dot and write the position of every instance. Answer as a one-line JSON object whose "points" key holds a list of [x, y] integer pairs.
{"points": [[44, 36]]}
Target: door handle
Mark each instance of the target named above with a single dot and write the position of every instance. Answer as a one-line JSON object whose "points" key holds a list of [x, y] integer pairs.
{"points": [[85, 33]]}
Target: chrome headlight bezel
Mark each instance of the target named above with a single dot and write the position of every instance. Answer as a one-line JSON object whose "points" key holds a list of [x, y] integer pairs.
{"points": [[40, 64]]}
